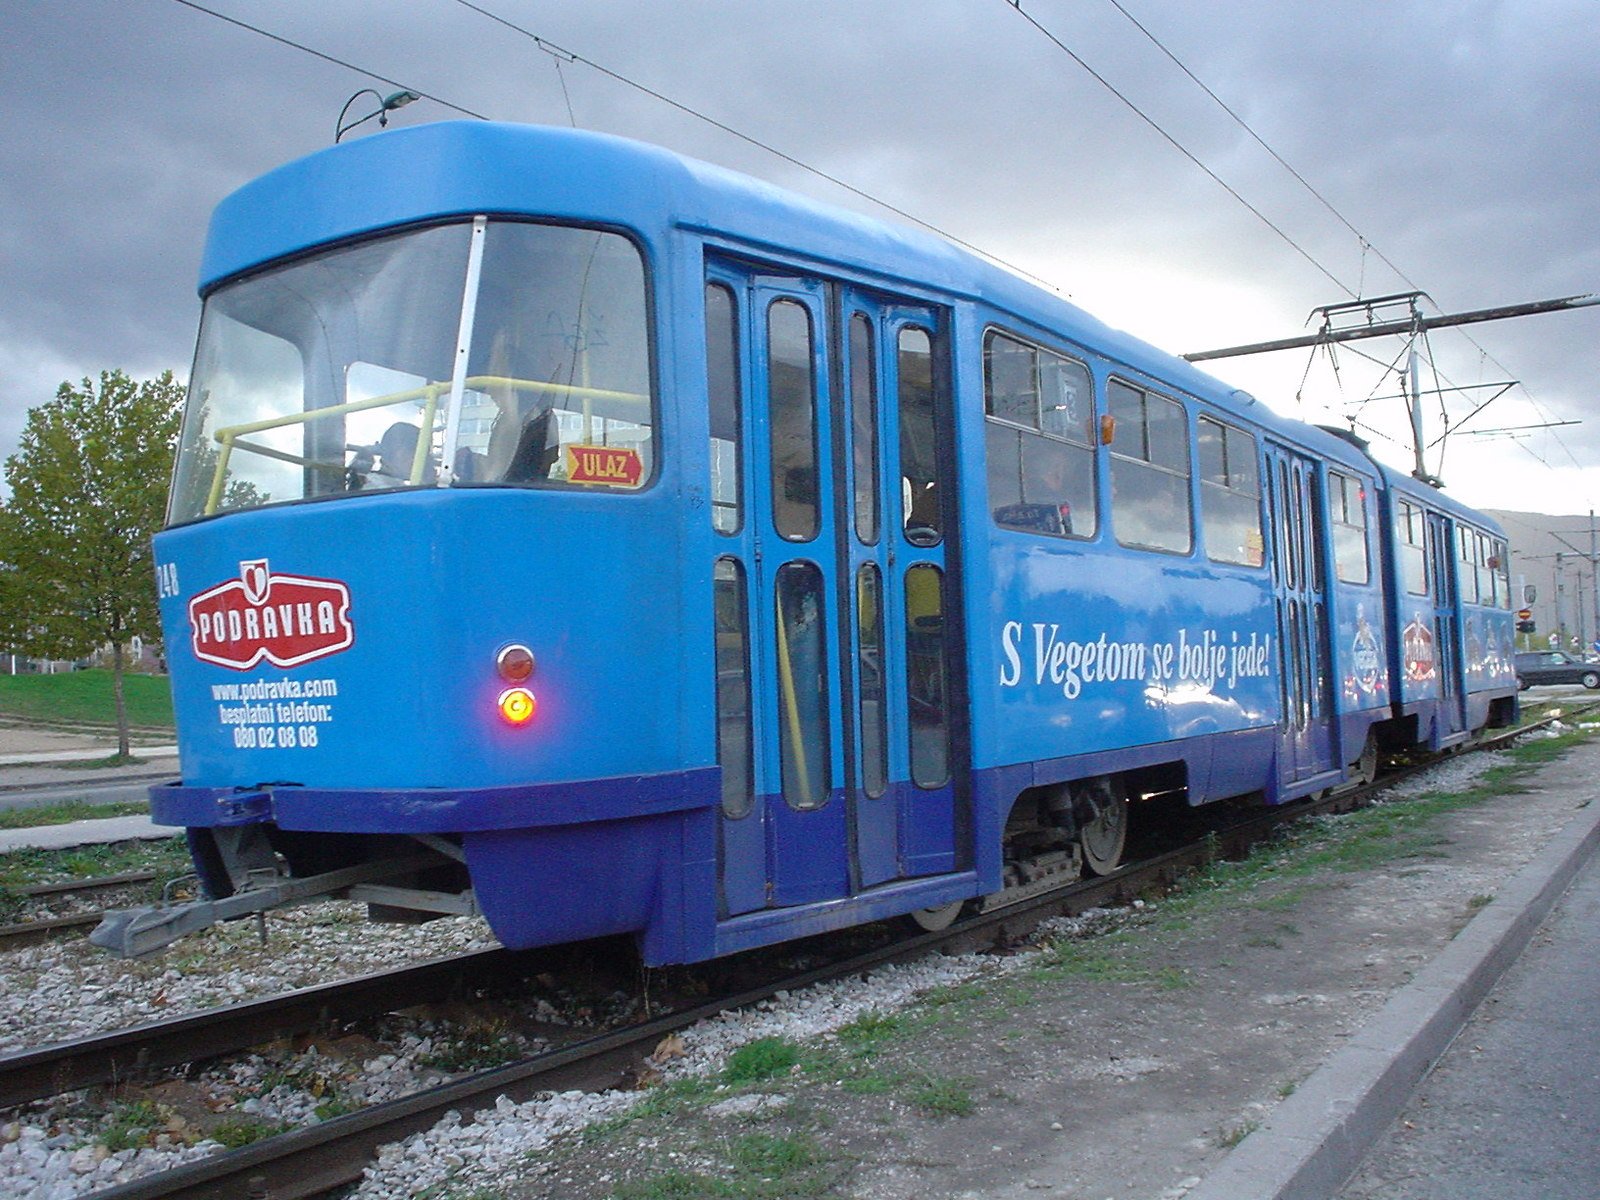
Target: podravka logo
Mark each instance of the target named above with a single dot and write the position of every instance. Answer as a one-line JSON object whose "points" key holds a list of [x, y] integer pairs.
{"points": [[285, 619]]}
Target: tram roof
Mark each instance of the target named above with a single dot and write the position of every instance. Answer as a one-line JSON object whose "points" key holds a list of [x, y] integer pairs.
{"points": [[456, 168]]}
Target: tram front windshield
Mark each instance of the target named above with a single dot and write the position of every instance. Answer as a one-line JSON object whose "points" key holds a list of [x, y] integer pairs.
{"points": [[335, 374]]}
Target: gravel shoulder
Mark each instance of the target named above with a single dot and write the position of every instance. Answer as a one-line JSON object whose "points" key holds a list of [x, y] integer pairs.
{"points": [[1121, 1057], [1122, 1061]]}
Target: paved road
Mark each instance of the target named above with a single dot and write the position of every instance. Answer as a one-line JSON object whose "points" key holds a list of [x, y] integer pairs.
{"points": [[1512, 1111], [91, 793]]}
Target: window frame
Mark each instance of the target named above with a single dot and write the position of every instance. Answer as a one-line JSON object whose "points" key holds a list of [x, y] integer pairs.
{"points": [[1227, 487], [1340, 485], [1089, 445], [1145, 463]]}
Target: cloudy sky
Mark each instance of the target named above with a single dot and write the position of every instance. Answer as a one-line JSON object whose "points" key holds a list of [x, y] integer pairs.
{"points": [[1451, 146]]}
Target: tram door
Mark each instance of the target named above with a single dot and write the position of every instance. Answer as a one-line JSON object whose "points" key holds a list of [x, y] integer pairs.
{"points": [[833, 661], [1299, 579], [1452, 717]]}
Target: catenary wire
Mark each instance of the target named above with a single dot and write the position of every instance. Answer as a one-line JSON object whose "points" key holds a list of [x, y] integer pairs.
{"points": [[562, 52], [1366, 243], [1175, 144], [338, 62]]}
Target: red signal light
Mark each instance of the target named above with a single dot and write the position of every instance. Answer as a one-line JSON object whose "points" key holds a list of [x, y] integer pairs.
{"points": [[517, 706], [514, 663]]}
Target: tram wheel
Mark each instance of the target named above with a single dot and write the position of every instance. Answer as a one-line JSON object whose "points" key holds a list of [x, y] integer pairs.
{"points": [[1103, 839], [935, 919], [1367, 764]]}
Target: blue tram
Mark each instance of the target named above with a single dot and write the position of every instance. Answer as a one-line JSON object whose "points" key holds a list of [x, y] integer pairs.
{"points": [[573, 532]]}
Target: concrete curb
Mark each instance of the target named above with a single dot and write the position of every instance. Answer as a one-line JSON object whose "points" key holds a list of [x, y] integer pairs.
{"points": [[1316, 1138], [85, 833]]}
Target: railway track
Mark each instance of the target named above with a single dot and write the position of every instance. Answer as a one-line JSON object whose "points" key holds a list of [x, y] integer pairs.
{"points": [[26, 933], [315, 1160]]}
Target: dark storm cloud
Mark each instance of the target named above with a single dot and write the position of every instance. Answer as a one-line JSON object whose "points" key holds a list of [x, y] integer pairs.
{"points": [[1458, 137]]}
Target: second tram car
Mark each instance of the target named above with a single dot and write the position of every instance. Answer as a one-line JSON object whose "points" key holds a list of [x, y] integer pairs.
{"points": [[573, 532]]}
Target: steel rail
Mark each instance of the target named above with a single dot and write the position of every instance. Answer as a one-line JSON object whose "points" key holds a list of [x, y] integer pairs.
{"points": [[315, 1160], [26, 933], [134, 1052]]}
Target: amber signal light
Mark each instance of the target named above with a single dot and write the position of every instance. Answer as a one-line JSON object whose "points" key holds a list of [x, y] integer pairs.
{"points": [[517, 706]]}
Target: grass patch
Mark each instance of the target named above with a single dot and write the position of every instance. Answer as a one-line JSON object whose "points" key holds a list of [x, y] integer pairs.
{"points": [[474, 1050], [872, 1028], [87, 697], [236, 1133], [773, 1155], [870, 1083], [169, 860], [764, 1058], [68, 811], [133, 1125], [674, 1185], [1235, 1134], [942, 1097], [1107, 958]]}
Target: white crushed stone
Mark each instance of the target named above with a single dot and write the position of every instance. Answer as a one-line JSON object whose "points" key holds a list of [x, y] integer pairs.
{"points": [[75, 989], [1452, 775], [466, 1154]]}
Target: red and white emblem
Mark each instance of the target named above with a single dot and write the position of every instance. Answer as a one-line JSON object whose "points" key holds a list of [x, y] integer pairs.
{"points": [[285, 619], [1416, 642]]}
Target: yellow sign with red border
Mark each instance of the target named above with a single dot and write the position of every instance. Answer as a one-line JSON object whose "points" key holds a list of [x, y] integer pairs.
{"points": [[618, 466]]}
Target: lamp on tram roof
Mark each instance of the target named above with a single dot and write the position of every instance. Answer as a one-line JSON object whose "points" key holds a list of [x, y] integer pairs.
{"points": [[386, 105]]}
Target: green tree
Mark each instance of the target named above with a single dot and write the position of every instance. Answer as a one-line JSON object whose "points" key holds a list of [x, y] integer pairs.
{"points": [[88, 490]]}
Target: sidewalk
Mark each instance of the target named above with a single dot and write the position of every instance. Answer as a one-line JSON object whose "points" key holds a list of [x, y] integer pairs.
{"points": [[42, 758], [85, 833], [1512, 1110], [1318, 1137]]}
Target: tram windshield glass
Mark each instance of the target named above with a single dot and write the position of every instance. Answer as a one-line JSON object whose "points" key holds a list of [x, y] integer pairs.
{"points": [[335, 374]]}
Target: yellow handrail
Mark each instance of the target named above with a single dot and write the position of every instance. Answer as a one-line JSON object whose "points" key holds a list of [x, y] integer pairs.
{"points": [[792, 710], [429, 393]]}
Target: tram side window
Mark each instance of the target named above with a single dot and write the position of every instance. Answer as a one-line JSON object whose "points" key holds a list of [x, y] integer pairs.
{"points": [[791, 393], [919, 442], [1347, 500], [874, 717], [1230, 494], [1149, 471], [864, 427], [1409, 540], [1500, 564], [927, 681], [1039, 455], [734, 744], [1467, 541], [1486, 578], [802, 686], [722, 392]]}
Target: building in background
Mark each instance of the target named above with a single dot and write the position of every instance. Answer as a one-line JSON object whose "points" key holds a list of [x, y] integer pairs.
{"points": [[1557, 556]]}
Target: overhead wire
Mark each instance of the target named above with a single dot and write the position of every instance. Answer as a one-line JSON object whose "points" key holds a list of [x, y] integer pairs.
{"points": [[1365, 243], [552, 48], [1175, 144], [329, 58], [560, 52]]}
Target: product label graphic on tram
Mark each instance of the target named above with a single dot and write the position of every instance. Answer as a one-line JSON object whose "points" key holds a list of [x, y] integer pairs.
{"points": [[285, 620], [1417, 650], [1366, 658], [1208, 658]]}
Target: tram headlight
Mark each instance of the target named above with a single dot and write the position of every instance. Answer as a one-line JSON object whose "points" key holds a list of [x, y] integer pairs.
{"points": [[514, 663], [517, 706]]}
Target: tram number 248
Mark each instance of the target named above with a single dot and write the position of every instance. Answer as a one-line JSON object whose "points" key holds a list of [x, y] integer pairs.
{"points": [[269, 737]]}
